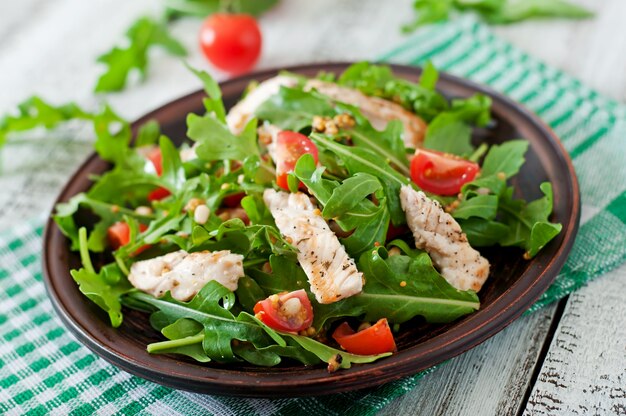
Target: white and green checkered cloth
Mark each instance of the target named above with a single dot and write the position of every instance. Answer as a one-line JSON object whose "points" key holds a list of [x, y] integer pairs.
{"points": [[43, 369]]}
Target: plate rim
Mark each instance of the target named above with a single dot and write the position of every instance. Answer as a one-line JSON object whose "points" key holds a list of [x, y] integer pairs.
{"points": [[237, 383]]}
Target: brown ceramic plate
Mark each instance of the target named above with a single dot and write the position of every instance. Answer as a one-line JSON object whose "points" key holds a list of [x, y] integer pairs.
{"points": [[513, 286]]}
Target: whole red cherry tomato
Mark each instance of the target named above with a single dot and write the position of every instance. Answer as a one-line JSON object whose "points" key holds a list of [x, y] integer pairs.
{"points": [[231, 42]]}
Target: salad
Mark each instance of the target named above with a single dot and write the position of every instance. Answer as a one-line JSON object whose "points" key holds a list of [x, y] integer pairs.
{"points": [[309, 223]]}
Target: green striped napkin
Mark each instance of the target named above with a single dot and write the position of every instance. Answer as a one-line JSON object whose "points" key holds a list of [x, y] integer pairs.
{"points": [[43, 369]]}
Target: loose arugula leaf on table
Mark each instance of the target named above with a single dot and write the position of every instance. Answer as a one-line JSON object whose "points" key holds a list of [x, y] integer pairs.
{"points": [[494, 11], [144, 34], [424, 291], [203, 8], [367, 221], [35, 112], [103, 288]]}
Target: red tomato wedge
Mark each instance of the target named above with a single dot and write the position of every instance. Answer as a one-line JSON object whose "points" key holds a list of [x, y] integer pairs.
{"points": [[231, 42], [291, 312], [158, 194], [289, 147], [119, 235], [441, 173], [156, 158], [234, 200], [376, 339]]}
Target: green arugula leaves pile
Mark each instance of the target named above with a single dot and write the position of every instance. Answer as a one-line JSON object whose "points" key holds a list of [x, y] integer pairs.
{"points": [[494, 11]]}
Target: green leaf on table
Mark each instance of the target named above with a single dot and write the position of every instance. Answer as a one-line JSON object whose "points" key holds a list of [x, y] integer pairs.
{"points": [[35, 112], [494, 11], [203, 8], [514, 11], [144, 34], [424, 292]]}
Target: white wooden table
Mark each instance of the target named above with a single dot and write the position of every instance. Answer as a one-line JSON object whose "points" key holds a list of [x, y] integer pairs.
{"points": [[566, 359]]}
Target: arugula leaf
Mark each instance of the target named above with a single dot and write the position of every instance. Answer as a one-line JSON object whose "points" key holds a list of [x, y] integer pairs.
{"points": [[219, 325], [349, 194], [483, 233], [449, 135], [104, 288], [363, 160], [203, 8], [450, 131], [213, 103], [424, 291], [481, 206], [216, 142], [173, 172], [494, 11], [35, 112], [326, 353], [367, 221], [142, 36], [507, 158], [528, 223], [519, 10], [113, 136], [148, 134]]}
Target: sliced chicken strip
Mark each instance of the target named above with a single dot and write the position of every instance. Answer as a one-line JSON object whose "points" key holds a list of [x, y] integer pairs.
{"points": [[437, 233], [377, 110], [184, 274], [243, 111], [332, 273]]}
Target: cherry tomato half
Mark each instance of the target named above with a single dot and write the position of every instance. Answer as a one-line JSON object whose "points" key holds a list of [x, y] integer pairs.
{"points": [[376, 339], [156, 158], [289, 147], [440, 173], [119, 235], [234, 200], [158, 194], [231, 42], [289, 312]]}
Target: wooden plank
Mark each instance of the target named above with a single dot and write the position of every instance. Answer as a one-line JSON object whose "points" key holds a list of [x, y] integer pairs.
{"points": [[584, 372], [490, 379]]}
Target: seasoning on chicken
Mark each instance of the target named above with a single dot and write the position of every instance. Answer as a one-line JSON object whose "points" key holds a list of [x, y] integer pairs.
{"points": [[184, 274], [437, 233], [243, 111], [378, 111], [332, 273]]}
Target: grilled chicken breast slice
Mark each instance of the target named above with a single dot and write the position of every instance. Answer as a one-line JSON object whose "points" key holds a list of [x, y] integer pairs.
{"points": [[437, 233], [377, 110], [184, 274], [331, 272], [243, 111]]}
